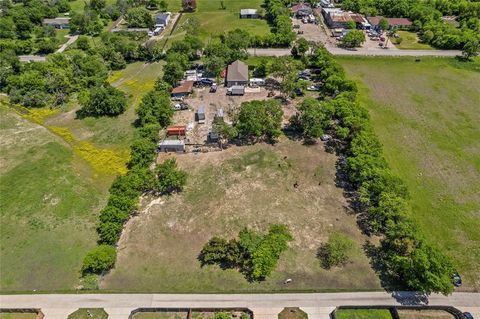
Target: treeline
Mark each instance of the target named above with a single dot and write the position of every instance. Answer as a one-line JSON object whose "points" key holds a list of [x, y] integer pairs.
{"points": [[253, 253], [154, 112], [427, 19], [408, 258]]}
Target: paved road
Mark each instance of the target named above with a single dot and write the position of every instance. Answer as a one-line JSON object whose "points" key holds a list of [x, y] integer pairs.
{"points": [[265, 306], [365, 52]]}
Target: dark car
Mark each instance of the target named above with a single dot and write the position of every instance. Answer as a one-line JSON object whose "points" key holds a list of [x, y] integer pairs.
{"points": [[206, 81], [468, 315], [456, 279]]}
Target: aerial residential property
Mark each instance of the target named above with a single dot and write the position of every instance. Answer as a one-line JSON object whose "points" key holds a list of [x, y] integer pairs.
{"points": [[254, 159]]}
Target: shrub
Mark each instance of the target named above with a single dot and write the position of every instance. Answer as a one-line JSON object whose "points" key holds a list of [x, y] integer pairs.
{"points": [[170, 178], [99, 259], [104, 100], [336, 251]]}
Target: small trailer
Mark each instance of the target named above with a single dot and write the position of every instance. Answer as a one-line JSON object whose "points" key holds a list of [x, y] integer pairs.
{"points": [[176, 130], [200, 115], [171, 146]]}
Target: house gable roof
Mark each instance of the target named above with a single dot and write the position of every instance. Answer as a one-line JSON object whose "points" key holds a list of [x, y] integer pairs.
{"points": [[237, 71]]}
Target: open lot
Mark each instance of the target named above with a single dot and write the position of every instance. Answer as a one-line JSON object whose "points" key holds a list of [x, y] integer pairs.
{"points": [[55, 172], [214, 20], [410, 41], [226, 191], [426, 115]]}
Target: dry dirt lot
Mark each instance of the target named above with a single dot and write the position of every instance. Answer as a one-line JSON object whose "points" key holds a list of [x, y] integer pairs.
{"points": [[213, 102], [226, 191]]}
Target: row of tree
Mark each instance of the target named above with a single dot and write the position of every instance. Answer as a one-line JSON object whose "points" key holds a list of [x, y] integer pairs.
{"points": [[253, 253], [408, 258], [154, 112]]}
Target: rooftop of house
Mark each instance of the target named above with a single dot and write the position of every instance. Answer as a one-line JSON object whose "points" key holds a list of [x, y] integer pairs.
{"points": [[56, 21], [391, 21], [237, 71], [301, 6], [184, 87]]}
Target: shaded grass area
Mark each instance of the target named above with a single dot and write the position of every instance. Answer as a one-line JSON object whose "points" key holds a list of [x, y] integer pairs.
{"points": [[89, 313], [48, 208], [426, 115], [410, 41], [226, 191], [363, 314], [214, 20]]}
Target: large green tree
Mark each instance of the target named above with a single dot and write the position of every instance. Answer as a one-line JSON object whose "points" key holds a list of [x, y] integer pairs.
{"points": [[104, 100]]}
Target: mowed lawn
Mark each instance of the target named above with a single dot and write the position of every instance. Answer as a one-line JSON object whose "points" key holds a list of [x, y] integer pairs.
{"points": [[410, 41], [427, 116], [214, 20], [227, 191], [47, 208]]}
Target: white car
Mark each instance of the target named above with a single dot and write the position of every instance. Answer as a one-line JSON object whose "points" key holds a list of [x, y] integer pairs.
{"points": [[313, 88]]}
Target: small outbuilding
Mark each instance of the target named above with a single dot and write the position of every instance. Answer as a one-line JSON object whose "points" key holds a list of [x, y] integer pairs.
{"points": [[248, 14], [200, 115], [185, 88], [393, 23], [213, 137], [57, 23], [161, 19], [237, 74], [176, 130], [172, 146]]}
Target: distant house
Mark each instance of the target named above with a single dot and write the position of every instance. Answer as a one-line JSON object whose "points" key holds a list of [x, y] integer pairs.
{"points": [[393, 23], [161, 19], [301, 10], [248, 14], [237, 74], [185, 88], [57, 23], [172, 146], [200, 115], [336, 18]]}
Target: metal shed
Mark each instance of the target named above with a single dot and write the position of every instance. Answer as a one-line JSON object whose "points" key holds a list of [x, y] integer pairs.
{"points": [[171, 146]]}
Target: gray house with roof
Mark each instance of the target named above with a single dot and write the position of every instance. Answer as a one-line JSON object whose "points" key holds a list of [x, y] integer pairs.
{"points": [[248, 14], [237, 74]]}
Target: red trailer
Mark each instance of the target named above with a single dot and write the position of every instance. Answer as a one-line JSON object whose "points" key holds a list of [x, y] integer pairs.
{"points": [[177, 130]]}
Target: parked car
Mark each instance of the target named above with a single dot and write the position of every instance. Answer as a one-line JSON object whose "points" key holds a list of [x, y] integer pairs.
{"points": [[299, 32], [382, 38], [213, 88], [205, 82], [313, 88], [180, 106], [177, 98], [456, 279], [468, 315], [296, 26]]}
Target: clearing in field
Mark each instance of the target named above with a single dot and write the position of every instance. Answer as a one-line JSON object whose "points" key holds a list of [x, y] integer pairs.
{"points": [[214, 20], [426, 115], [227, 191], [410, 41]]}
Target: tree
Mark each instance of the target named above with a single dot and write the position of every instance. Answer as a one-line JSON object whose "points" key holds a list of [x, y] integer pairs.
{"points": [[100, 259], [104, 100], [97, 5], [172, 73], [354, 38], [214, 65], [471, 48], [192, 25], [87, 22], [351, 25], [260, 119], [139, 18], [170, 178], [189, 5], [155, 108], [336, 251], [383, 24], [313, 117]]}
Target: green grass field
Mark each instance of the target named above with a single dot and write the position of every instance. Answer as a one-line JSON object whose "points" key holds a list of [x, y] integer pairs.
{"points": [[48, 208], [18, 315], [363, 314], [410, 42], [214, 20], [54, 180], [426, 115]]}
